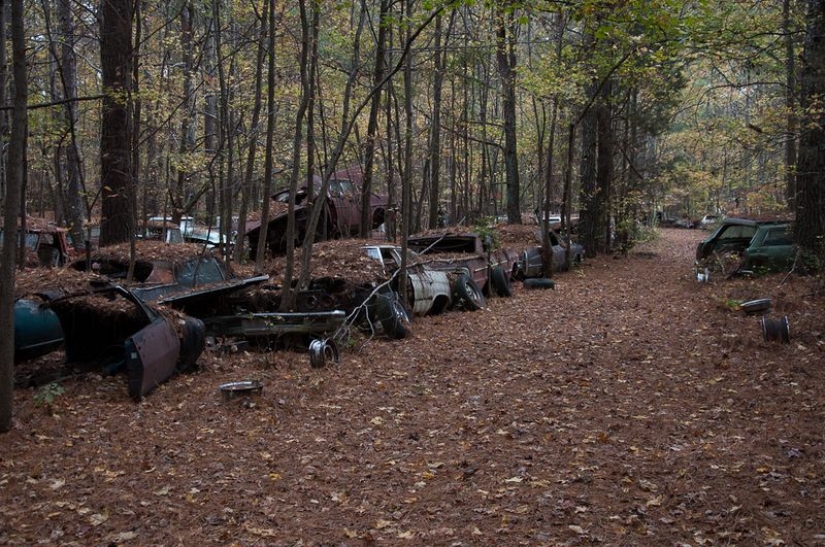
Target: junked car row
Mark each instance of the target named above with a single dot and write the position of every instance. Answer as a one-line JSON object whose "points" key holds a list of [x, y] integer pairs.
{"points": [[153, 316]]}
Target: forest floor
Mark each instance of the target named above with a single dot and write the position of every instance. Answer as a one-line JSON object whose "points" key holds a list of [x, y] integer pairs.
{"points": [[632, 405]]}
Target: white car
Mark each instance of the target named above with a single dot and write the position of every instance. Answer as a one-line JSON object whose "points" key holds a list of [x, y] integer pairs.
{"points": [[709, 221], [428, 290]]}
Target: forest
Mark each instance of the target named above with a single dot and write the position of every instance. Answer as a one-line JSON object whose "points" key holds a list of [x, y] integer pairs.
{"points": [[617, 113]]}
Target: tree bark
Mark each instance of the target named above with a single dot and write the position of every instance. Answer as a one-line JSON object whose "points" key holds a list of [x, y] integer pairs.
{"points": [[587, 173], [810, 209], [434, 156], [790, 102], [372, 125], [246, 187], [116, 121], [506, 56], [14, 182], [75, 188]]}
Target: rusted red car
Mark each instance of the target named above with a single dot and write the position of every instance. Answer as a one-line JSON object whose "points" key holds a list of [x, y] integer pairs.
{"points": [[341, 215], [46, 243], [467, 252]]}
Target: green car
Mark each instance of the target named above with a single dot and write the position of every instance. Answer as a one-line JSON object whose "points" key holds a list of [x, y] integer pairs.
{"points": [[37, 330], [771, 249], [741, 244]]}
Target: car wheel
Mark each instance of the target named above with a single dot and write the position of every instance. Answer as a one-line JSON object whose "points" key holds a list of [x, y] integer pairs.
{"points": [[539, 283], [469, 295], [501, 282], [322, 352], [392, 315]]}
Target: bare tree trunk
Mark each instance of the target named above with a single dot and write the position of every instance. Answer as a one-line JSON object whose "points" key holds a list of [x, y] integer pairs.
{"points": [[506, 56], [287, 293], [810, 210], [790, 102], [180, 193], [372, 125], [75, 206], [225, 144], [436, 212], [604, 170], [587, 174], [4, 78], [17, 155], [255, 129], [545, 209], [260, 252], [406, 175], [116, 123]]}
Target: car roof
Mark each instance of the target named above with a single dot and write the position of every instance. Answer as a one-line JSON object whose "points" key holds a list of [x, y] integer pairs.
{"points": [[753, 222]]}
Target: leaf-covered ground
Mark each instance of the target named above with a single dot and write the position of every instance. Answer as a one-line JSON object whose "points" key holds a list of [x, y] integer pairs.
{"points": [[632, 405]]}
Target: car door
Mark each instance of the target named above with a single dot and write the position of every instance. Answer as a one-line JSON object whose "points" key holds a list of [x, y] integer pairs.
{"points": [[772, 248]]}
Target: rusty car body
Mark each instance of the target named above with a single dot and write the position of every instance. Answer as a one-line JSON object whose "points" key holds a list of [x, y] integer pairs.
{"points": [[531, 261], [106, 328], [468, 253], [341, 213], [45, 243]]}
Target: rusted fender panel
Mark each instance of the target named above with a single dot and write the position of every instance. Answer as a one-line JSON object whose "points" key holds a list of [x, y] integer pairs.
{"points": [[427, 286], [507, 259]]}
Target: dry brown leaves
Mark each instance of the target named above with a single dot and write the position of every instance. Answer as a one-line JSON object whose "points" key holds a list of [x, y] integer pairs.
{"points": [[625, 407], [149, 251], [60, 280], [518, 236]]}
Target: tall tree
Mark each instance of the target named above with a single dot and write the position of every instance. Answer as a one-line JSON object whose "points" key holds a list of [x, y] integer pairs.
{"points": [[14, 184], [507, 64], [810, 209], [249, 172], [433, 174], [790, 101], [116, 138], [372, 124]]}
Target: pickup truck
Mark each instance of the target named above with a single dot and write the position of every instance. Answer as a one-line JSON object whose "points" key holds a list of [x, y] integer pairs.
{"points": [[466, 252]]}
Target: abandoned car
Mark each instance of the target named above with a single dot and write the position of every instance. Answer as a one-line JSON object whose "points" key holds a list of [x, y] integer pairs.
{"points": [[363, 281], [531, 261], [771, 249], [341, 215], [45, 244], [467, 252], [37, 329], [106, 328], [768, 244], [182, 276]]}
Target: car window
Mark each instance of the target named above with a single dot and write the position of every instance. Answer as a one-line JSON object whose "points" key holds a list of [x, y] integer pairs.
{"points": [[738, 232], [347, 188], [335, 189], [780, 236], [373, 253], [207, 270]]}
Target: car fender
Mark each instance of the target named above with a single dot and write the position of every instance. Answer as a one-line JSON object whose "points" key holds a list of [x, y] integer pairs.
{"points": [[427, 286]]}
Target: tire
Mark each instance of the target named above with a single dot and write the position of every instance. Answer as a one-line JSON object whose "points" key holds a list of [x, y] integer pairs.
{"points": [[468, 293], [322, 352], [539, 283], [501, 282], [392, 315]]}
